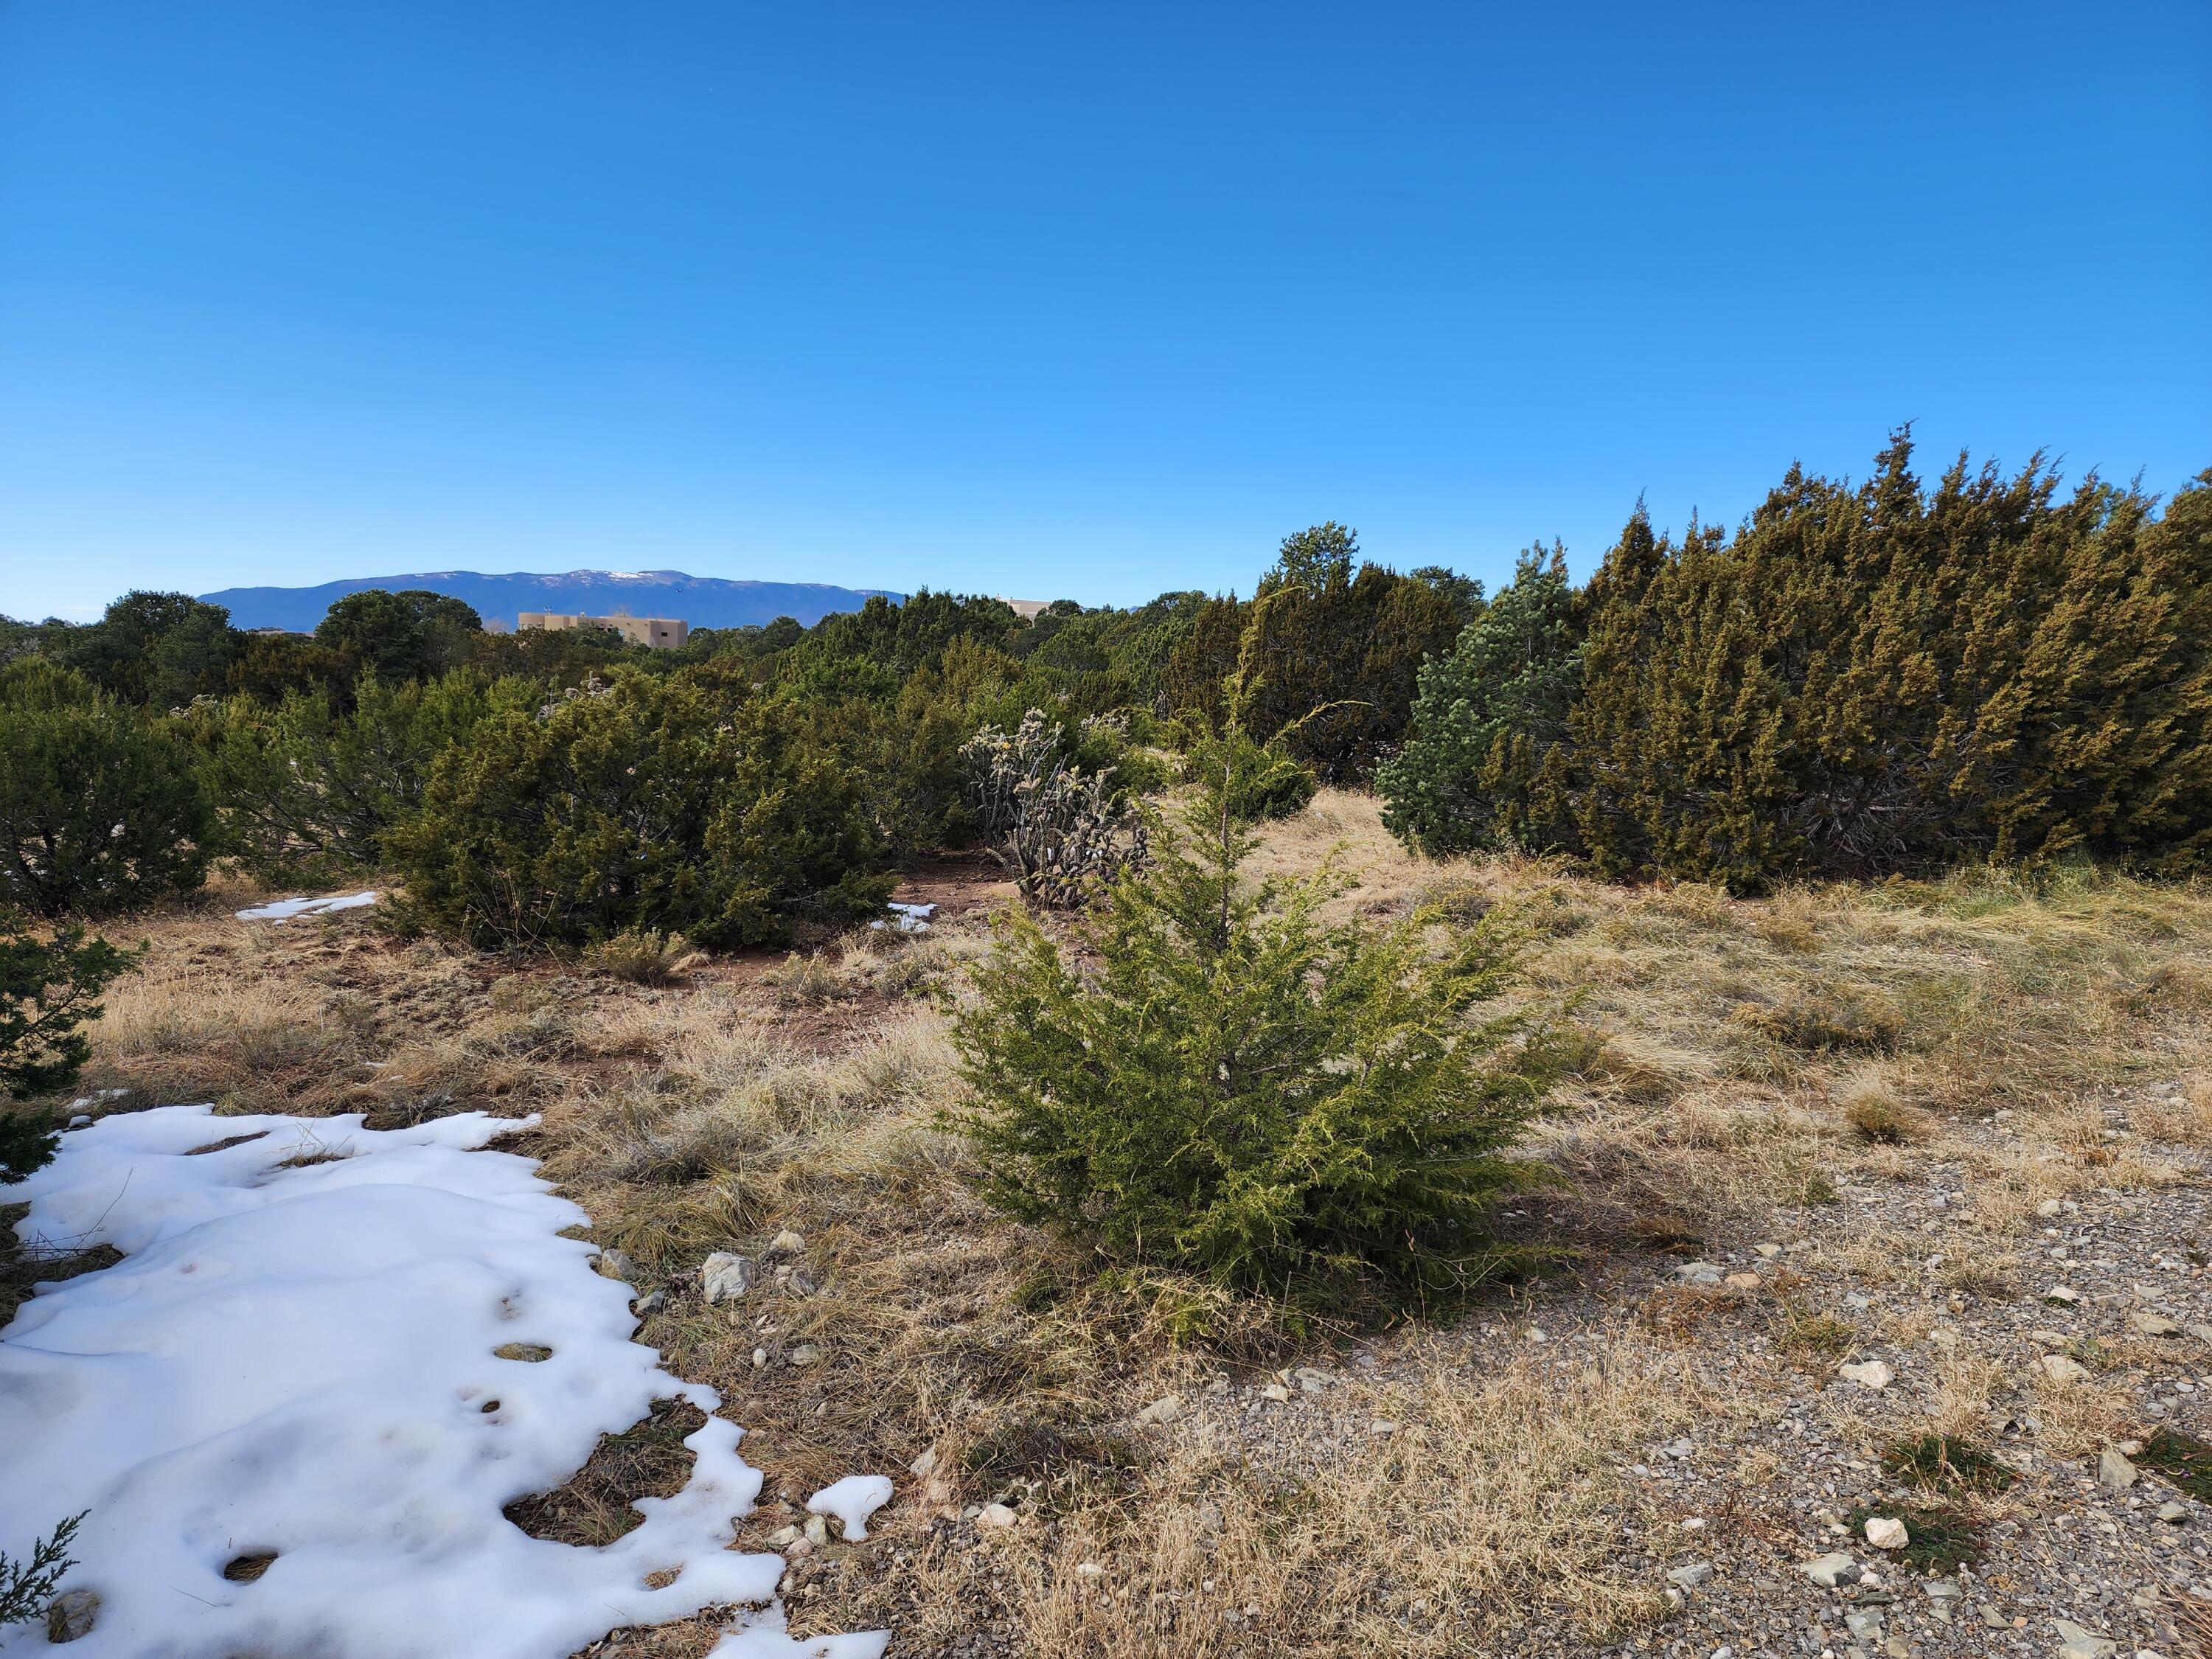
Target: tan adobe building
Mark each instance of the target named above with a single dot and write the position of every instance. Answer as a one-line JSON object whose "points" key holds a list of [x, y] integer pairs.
{"points": [[662, 633]]}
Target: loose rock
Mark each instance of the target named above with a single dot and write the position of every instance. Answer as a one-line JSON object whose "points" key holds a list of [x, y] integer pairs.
{"points": [[1831, 1569], [1887, 1533], [2076, 1643], [725, 1277], [1874, 1374], [2063, 1370], [72, 1615]]}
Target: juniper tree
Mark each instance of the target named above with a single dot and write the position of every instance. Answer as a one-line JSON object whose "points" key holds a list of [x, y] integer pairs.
{"points": [[1489, 718], [1218, 1079], [100, 810]]}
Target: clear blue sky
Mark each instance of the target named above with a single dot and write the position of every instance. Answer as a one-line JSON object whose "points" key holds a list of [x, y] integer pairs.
{"points": [[1056, 299]]}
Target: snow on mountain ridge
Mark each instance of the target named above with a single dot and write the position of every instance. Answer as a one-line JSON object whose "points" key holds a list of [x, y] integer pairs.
{"points": [[701, 601]]}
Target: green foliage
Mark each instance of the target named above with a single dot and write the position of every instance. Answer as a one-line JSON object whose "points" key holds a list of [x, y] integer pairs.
{"points": [[307, 791], [155, 650], [1941, 1540], [1241, 1089], [100, 810], [27, 1587], [905, 637], [1328, 651], [2181, 1458], [1862, 680], [268, 667], [408, 636], [673, 804], [1942, 1462], [49, 988], [1490, 717], [1259, 781]]}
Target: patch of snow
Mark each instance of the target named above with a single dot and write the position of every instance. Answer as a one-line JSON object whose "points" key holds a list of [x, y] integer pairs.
{"points": [[852, 1500], [907, 918], [299, 1362], [762, 1636], [285, 909]]}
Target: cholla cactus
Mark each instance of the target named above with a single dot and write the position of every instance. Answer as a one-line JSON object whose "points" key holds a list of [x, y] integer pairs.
{"points": [[1061, 834]]}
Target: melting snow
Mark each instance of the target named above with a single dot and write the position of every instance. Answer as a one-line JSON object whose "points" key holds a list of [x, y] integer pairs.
{"points": [[285, 909], [908, 918], [852, 1500], [296, 1358]]}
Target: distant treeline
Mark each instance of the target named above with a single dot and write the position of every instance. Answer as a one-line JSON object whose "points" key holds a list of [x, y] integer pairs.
{"points": [[1859, 680]]}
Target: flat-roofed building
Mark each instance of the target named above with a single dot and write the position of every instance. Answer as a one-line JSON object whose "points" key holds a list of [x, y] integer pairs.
{"points": [[661, 632], [1028, 610]]}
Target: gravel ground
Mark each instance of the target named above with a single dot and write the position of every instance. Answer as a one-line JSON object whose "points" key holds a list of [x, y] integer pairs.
{"points": [[2085, 1332]]}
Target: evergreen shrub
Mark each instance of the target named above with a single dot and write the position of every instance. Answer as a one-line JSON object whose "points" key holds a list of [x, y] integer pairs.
{"points": [[674, 803], [100, 810], [1217, 1079]]}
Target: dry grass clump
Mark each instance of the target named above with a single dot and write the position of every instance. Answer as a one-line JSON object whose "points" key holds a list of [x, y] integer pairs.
{"points": [[1825, 1019], [644, 956], [882, 961], [812, 976], [2079, 1420], [593, 1507], [1496, 1505], [2178, 1115], [1877, 1113]]}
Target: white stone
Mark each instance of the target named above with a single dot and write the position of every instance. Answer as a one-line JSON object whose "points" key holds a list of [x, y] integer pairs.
{"points": [[2063, 1370], [996, 1517], [725, 1277], [2114, 1470], [2151, 1324], [1887, 1533], [1166, 1409], [2076, 1643], [1874, 1374], [1831, 1570]]}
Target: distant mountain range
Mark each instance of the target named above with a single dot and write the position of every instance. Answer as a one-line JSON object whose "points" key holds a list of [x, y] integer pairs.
{"points": [[701, 601]]}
